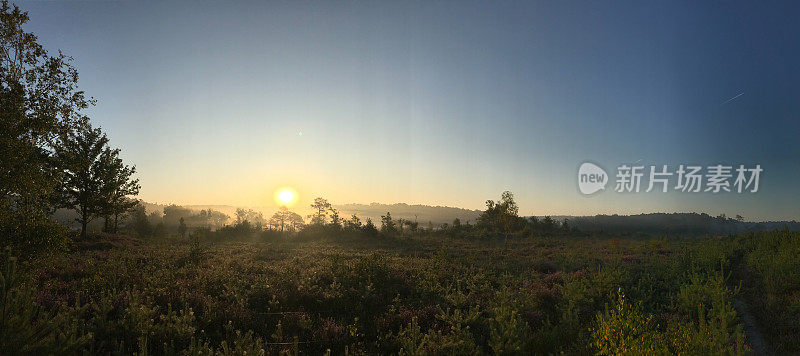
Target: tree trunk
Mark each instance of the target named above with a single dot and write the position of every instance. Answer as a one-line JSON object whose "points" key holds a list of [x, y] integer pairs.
{"points": [[84, 222], [116, 222]]}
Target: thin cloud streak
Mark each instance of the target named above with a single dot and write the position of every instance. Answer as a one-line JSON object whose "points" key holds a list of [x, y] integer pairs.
{"points": [[732, 99]]}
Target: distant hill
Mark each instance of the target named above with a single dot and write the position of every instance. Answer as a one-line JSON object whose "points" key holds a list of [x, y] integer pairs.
{"points": [[229, 210]]}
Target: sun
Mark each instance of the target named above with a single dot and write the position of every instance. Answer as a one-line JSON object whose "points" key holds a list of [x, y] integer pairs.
{"points": [[285, 196]]}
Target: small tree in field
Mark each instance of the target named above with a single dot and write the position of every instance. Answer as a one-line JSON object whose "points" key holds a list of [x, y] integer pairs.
{"points": [[182, 227], [501, 216], [369, 229], [387, 224], [336, 221], [353, 224]]}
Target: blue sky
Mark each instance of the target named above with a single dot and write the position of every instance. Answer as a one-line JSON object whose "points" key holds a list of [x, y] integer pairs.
{"points": [[442, 103]]}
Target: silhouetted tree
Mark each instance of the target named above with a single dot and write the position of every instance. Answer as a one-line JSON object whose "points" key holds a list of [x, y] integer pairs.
{"points": [[387, 224], [413, 226], [212, 218], [159, 230], [336, 222], [321, 207], [250, 218], [182, 228], [39, 103], [118, 185], [354, 224], [501, 216], [140, 222], [400, 224], [534, 224], [86, 161], [295, 221], [456, 224], [286, 220], [281, 218], [369, 229], [548, 224]]}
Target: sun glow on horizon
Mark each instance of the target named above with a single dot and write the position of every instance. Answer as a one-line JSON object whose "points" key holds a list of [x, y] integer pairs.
{"points": [[285, 197]]}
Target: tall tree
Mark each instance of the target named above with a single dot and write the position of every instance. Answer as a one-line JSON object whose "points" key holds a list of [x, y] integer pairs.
{"points": [[336, 221], [286, 219], [182, 227], [295, 221], [139, 221], [369, 229], [117, 185], [212, 219], [508, 212], [501, 216], [280, 218], [353, 224], [321, 208], [387, 224], [88, 166], [251, 217], [39, 102]]}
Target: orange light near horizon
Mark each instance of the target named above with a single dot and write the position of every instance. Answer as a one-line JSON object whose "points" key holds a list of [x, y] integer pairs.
{"points": [[285, 197]]}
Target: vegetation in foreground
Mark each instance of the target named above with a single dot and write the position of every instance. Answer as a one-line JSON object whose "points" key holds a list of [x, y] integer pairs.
{"points": [[423, 294]]}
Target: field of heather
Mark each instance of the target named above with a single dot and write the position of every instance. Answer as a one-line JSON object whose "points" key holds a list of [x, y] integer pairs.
{"points": [[413, 295]]}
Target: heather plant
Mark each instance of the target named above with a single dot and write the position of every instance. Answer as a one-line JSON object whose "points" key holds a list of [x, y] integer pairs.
{"points": [[25, 327]]}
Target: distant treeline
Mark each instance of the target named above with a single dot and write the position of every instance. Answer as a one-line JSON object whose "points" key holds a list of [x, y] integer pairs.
{"points": [[166, 220], [500, 219], [676, 223], [436, 215]]}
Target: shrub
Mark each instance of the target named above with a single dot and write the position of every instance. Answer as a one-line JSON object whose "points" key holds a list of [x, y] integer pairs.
{"points": [[625, 329]]}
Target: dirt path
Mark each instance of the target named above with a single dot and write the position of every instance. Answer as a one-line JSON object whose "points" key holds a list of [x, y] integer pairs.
{"points": [[751, 330], [749, 322]]}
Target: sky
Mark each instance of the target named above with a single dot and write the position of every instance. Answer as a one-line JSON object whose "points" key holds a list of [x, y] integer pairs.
{"points": [[440, 103]]}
